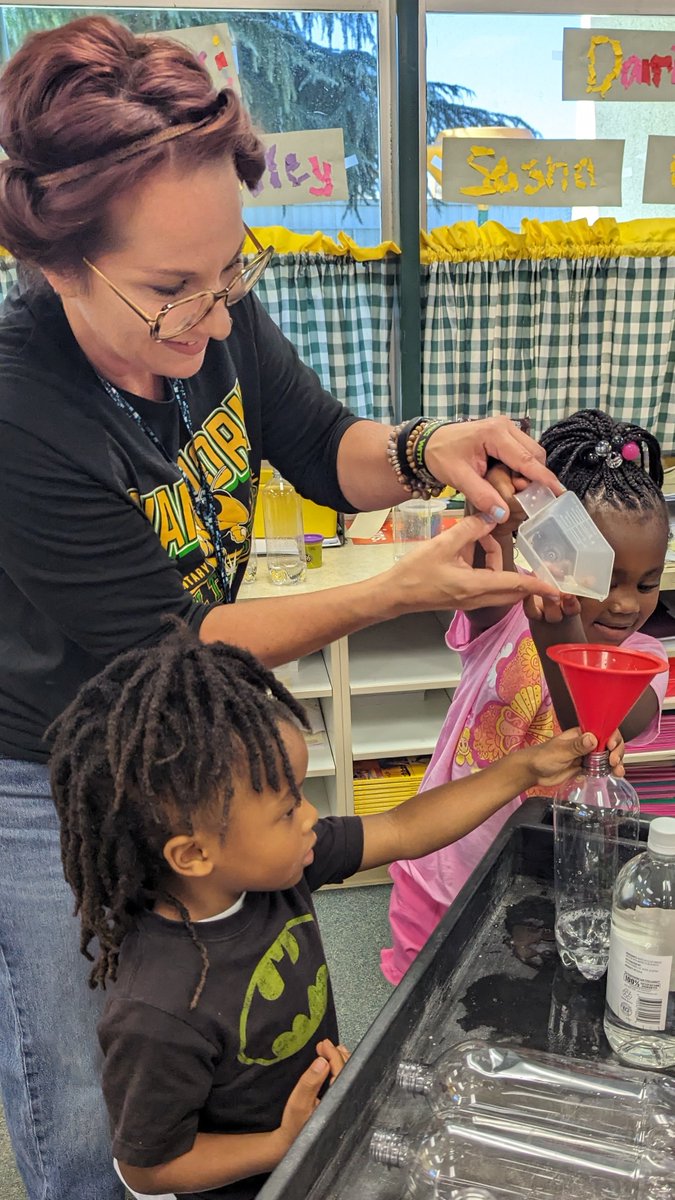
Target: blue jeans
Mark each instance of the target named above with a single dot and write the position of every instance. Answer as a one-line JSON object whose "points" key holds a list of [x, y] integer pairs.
{"points": [[49, 1055]]}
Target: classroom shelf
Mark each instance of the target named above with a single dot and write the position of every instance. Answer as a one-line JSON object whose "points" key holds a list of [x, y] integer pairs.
{"points": [[388, 725], [404, 655], [316, 791], [312, 679], [321, 761]]}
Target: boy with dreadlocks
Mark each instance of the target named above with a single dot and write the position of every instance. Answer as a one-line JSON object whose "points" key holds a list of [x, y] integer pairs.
{"points": [[192, 852], [511, 693]]}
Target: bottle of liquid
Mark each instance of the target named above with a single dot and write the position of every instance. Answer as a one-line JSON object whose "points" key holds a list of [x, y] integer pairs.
{"points": [[600, 1100], [251, 572], [590, 816], [448, 1157], [640, 1006], [284, 532]]}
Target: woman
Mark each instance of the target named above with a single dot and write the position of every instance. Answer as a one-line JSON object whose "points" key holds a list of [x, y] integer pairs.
{"points": [[134, 411]]}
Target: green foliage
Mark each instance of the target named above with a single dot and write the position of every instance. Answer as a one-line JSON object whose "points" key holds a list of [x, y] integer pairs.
{"points": [[304, 70]]}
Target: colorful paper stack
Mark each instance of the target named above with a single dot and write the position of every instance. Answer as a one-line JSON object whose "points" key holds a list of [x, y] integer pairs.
{"points": [[382, 784], [655, 782]]}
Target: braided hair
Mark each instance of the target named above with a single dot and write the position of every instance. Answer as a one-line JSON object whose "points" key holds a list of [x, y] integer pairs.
{"points": [[607, 462], [160, 736]]}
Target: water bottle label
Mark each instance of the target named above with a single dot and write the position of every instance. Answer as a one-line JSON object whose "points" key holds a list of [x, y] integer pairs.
{"points": [[637, 984]]}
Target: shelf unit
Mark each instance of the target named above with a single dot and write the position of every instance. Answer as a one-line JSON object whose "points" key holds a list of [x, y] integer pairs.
{"points": [[384, 691]]}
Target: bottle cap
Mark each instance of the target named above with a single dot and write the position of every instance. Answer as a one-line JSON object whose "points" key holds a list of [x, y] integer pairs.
{"points": [[662, 836]]}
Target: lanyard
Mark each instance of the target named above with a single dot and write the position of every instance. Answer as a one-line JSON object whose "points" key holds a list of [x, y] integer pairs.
{"points": [[203, 500]]}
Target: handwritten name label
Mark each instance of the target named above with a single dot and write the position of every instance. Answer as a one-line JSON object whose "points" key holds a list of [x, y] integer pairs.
{"points": [[619, 64], [306, 167], [659, 178], [212, 46], [533, 174]]}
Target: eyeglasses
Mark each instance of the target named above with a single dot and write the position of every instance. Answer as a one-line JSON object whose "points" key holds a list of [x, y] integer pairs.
{"points": [[174, 319]]}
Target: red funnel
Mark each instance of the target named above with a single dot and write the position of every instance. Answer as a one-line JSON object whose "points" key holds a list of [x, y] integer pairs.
{"points": [[604, 684]]}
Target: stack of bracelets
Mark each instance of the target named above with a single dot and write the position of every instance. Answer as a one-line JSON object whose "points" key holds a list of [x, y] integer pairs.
{"points": [[405, 451]]}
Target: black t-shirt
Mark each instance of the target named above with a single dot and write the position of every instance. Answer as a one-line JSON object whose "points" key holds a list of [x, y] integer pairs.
{"points": [[229, 1065], [98, 534]]}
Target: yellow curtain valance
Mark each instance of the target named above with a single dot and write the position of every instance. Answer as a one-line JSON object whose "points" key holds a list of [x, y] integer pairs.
{"points": [[285, 241], [606, 238], [468, 242]]}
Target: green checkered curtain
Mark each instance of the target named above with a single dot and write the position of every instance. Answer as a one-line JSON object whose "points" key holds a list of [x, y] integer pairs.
{"points": [[546, 337], [339, 315]]}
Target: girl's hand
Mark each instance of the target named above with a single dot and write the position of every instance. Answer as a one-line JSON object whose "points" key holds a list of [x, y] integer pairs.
{"points": [[458, 455], [558, 760], [504, 482], [551, 611], [439, 575]]}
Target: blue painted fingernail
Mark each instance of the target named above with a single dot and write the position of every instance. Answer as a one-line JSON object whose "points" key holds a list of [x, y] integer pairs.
{"points": [[498, 513], [486, 517]]}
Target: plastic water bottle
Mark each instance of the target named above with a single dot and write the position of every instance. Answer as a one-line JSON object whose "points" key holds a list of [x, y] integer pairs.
{"points": [[284, 532], [515, 1161], [601, 1101], [590, 816], [640, 1006]]}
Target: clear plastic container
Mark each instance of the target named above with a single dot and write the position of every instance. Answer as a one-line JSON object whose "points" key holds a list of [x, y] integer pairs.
{"points": [[284, 532], [640, 1006], [562, 544], [416, 521], [601, 1101], [513, 1161], [590, 815]]}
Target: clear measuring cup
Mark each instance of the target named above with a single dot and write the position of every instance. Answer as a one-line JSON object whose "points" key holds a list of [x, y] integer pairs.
{"points": [[562, 544]]}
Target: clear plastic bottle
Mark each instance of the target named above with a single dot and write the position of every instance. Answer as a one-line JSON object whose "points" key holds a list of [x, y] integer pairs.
{"points": [[512, 1162], [590, 816], [284, 532], [640, 1005], [601, 1101]]}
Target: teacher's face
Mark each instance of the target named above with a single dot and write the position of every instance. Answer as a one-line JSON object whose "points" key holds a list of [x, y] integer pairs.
{"points": [[173, 235]]}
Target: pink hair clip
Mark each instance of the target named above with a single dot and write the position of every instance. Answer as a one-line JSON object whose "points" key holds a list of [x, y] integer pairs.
{"points": [[630, 452]]}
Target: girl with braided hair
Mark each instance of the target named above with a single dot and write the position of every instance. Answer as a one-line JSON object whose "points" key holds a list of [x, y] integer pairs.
{"points": [[192, 852], [511, 694]]}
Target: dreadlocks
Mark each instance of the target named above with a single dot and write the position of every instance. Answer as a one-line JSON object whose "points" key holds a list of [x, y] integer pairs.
{"points": [[606, 461], [157, 737]]}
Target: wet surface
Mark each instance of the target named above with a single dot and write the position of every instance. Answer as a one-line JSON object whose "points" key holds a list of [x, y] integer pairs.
{"points": [[492, 973]]}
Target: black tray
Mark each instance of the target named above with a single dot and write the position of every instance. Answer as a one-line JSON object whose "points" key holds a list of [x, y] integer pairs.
{"points": [[491, 970]]}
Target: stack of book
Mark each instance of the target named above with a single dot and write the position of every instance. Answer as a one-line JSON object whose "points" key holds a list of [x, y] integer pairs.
{"points": [[382, 784]]}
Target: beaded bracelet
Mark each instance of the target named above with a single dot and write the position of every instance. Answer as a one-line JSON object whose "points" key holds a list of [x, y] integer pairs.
{"points": [[401, 452]]}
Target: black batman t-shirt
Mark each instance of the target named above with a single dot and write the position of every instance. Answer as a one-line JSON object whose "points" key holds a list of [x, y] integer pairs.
{"points": [[99, 538], [230, 1064]]}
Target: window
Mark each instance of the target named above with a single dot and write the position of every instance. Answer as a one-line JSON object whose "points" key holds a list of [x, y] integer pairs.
{"points": [[298, 70]]}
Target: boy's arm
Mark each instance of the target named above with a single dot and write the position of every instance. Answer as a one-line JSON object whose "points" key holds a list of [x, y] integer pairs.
{"points": [[433, 819], [217, 1159], [553, 624]]}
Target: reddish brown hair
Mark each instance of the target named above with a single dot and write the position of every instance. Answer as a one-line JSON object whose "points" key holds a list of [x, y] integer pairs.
{"points": [[85, 90]]}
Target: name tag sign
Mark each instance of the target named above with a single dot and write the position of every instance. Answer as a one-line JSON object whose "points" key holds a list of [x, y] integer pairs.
{"points": [[306, 167], [619, 64], [659, 178], [533, 174], [212, 45]]}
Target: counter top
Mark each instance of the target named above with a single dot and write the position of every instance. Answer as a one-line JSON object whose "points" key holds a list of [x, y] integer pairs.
{"points": [[352, 564]]}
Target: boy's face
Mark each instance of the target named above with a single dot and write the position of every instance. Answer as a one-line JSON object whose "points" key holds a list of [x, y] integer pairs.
{"points": [[270, 836], [639, 544]]}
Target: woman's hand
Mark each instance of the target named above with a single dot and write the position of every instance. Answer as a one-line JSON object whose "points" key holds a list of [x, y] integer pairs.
{"points": [[458, 455], [556, 761], [439, 575]]}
